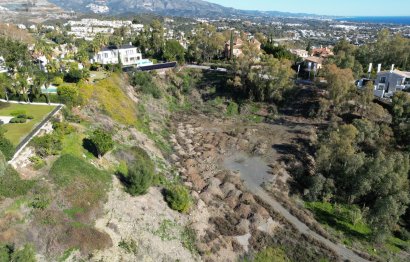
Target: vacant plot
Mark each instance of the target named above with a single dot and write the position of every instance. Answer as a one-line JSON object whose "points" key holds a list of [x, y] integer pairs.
{"points": [[17, 132]]}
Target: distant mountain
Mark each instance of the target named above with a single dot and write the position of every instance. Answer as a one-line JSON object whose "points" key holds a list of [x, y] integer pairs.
{"points": [[187, 8], [165, 7]]}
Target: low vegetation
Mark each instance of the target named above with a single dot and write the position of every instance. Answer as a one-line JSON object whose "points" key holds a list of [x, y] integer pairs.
{"points": [[178, 198]]}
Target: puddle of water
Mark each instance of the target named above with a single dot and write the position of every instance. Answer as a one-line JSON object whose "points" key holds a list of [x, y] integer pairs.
{"points": [[253, 170]]}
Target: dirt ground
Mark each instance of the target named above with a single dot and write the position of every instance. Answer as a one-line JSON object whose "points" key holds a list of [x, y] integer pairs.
{"points": [[237, 220], [147, 220]]}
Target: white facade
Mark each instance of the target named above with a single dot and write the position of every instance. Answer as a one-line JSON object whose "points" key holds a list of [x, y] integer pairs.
{"points": [[389, 82], [3, 68], [128, 54], [300, 53]]}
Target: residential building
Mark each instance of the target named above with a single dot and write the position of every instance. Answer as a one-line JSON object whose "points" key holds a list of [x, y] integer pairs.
{"points": [[322, 52], [389, 82], [238, 46], [315, 62], [300, 53], [128, 54]]}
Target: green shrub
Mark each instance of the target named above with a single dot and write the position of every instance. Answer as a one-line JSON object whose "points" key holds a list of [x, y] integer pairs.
{"points": [[5, 252], [38, 162], [232, 109], [178, 198], [101, 143], [47, 145], [3, 164], [139, 179], [58, 81], [143, 82], [26, 254], [63, 128], [18, 120], [6, 147]]}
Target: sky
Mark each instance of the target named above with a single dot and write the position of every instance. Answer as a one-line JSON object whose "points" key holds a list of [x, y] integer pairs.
{"points": [[325, 7]]}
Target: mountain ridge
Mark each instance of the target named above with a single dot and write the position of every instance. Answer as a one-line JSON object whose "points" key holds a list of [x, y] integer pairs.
{"points": [[187, 8]]}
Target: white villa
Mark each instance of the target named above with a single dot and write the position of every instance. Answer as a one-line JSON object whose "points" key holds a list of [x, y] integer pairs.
{"points": [[128, 54], [389, 82]]}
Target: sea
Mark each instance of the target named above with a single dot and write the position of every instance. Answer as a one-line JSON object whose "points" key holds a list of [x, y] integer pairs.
{"points": [[398, 20]]}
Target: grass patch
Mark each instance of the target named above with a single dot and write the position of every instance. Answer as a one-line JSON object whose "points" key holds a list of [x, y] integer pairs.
{"points": [[73, 145], [112, 99], [341, 217], [11, 185], [167, 230], [82, 184], [17, 132]]}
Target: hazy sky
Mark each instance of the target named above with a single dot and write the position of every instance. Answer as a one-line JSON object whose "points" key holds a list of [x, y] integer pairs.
{"points": [[326, 7]]}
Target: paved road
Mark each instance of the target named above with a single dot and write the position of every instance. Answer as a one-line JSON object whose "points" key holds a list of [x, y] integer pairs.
{"points": [[340, 250], [203, 67]]}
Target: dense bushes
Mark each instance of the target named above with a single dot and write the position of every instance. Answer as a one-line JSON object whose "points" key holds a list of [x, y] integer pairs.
{"points": [[178, 198], [8, 253], [11, 185], [47, 145], [99, 143], [68, 95], [20, 119], [6, 147], [139, 174], [144, 83]]}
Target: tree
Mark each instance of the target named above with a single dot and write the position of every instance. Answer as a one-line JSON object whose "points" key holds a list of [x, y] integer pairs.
{"points": [[401, 118], [5, 85], [174, 51], [102, 142], [178, 198], [68, 95], [340, 83]]}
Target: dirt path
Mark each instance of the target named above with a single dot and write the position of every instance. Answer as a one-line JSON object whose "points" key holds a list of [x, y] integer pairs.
{"points": [[342, 251]]}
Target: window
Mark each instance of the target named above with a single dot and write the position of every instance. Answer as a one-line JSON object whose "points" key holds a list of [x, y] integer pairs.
{"points": [[400, 82], [381, 87], [382, 80], [407, 81]]}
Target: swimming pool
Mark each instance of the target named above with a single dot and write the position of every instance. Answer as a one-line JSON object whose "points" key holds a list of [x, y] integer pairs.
{"points": [[50, 90]]}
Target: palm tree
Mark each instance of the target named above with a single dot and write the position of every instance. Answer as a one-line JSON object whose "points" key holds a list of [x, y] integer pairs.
{"points": [[22, 86]]}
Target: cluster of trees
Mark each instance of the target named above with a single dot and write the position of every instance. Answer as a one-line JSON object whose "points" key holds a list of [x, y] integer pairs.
{"points": [[363, 162], [386, 50], [268, 82], [25, 78]]}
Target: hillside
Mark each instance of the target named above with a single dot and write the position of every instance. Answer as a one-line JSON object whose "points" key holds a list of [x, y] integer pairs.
{"points": [[188, 8]]}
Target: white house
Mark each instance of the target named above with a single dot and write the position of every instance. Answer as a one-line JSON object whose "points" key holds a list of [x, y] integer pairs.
{"points": [[389, 82], [128, 54]]}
